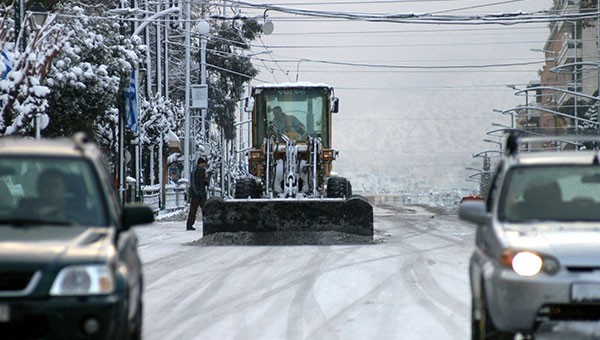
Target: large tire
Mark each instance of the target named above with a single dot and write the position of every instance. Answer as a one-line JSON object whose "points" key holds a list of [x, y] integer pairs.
{"points": [[245, 188], [337, 187], [484, 328]]}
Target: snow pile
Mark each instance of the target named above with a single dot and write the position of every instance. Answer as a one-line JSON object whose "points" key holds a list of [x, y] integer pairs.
{"points": [[281, 238]]}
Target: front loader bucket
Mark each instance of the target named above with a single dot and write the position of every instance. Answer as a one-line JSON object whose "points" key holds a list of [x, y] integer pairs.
{"points": [[289, 216]]}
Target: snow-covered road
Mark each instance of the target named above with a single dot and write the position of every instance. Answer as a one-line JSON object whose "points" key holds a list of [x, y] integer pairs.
{"points": [[411, 284]]}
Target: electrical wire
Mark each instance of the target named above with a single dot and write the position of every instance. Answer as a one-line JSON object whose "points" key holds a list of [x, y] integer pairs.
{"points": [[506, 18]]}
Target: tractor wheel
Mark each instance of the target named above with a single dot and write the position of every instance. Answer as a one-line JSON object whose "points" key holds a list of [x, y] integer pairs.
{"points": [[337, 187], [245, 188]]}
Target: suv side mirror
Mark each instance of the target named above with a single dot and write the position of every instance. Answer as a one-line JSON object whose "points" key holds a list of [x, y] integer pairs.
{"points": [[249, 104], [335, 104], [473, 211], [134, 214]]}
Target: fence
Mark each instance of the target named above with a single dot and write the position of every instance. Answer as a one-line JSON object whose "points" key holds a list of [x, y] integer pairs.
{"points": [[175, 197]]}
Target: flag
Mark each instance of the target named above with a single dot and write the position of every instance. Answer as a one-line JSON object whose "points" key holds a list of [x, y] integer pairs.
{"points": [[131, 118], [7, 65]]}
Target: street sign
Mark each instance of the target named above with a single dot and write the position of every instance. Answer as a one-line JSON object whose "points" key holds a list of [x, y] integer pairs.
{"points": [[199, 96]]}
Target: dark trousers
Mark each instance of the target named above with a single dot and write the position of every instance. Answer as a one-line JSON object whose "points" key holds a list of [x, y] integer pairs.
{"points": [[194, 204]]}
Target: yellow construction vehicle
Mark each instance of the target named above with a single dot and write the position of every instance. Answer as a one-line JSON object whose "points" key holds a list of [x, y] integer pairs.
{"points": [[290, 187]]}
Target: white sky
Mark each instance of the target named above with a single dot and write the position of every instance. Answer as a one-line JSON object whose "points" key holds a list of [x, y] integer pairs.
{"points": [[426, 124]]}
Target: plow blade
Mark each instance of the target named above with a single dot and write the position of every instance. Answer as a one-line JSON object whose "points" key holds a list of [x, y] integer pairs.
{"points": [[350, 216]]}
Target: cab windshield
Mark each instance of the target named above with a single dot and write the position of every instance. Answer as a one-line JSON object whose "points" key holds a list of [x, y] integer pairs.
{"points": [[551, 193], [49, 190], [295, 112]]}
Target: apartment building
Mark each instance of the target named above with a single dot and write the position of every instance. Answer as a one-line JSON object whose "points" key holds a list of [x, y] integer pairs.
{"points": [[572, 56]]}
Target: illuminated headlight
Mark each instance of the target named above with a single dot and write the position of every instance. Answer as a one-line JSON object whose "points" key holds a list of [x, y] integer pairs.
{"points": [[255, 155], [526, 263], [84, 280]]}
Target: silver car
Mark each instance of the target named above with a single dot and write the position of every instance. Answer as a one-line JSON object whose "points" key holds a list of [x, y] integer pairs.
{"points": [[537, 255]]}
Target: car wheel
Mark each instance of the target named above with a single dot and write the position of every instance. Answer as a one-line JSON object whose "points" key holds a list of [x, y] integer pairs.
{"points": [[136, 332], [484, 329]]}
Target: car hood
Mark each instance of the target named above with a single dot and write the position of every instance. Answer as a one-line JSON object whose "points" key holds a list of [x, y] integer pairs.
{"points": [[576, 245], [53, 243]]}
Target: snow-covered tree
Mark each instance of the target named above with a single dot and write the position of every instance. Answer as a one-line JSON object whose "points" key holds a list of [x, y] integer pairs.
{"points": [[89, 75], [24, 69], [229, 69]]}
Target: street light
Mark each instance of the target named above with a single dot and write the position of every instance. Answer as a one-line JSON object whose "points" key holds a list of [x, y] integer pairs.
{"points": [[480, 173], [37, 18], [493, 141], [545, 51], [506, 128], [485, 152], [38, 15], [203, 29], [549, 111], [577, 94], [298, 68], [492, 132]]}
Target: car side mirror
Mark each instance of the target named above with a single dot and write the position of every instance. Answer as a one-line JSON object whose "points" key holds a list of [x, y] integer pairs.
{"points": [[474, 212], [335, 104], [249, 104], [134, 214]]}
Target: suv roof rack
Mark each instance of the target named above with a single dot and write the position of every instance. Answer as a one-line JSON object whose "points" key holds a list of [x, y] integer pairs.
{"points": [[515, 140], [80, 139]]}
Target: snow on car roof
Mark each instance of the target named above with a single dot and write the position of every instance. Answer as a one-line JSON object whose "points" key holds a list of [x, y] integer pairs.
{"points": [[298, 84]]}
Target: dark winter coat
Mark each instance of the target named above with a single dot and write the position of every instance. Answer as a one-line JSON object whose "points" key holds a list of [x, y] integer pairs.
{"points": [[198, 182]]}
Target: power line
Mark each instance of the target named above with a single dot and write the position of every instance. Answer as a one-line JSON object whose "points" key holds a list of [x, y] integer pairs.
{"points": [[403, 45], [447, 31], [419, 66], [506, 18]]}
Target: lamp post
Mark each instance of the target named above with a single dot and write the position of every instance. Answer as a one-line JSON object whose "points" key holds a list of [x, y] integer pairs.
{"points": [[37, 18], [186, 138], [549, 111], [545, 51], [493, 141], [203, 29], [512, 118], [486, 172]]}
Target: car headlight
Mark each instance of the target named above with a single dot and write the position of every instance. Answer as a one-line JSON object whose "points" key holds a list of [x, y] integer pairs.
{"points": [[527, 263], [94, 279]]}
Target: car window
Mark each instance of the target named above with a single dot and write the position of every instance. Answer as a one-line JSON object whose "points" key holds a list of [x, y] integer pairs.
{"points": [[493, 190], [562, 193], [52, 189]]}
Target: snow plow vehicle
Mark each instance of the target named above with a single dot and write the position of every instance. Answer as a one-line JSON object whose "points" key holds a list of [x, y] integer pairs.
{"points": [[290, 187]]}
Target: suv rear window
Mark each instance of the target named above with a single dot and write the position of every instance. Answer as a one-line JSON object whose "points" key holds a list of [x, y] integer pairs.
{"points": [[561, 193]]}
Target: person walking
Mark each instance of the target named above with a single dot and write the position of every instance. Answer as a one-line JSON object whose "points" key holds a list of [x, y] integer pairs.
{"points": [[198, 183]]}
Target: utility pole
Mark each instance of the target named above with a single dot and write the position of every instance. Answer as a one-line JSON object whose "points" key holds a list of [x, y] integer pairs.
{"points": [[186, 146], [598, 68]]}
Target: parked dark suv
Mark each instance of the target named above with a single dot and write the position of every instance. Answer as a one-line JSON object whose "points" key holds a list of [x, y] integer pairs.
{"points": [[69, 268], [537, 254]]}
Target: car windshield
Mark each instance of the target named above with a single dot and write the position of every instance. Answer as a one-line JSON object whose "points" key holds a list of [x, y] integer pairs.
{"points": [[294, 112], [552, 193], [52, 190]]}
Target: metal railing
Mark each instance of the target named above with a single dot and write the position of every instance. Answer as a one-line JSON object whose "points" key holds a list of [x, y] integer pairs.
{"points": [[175, 197]]}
